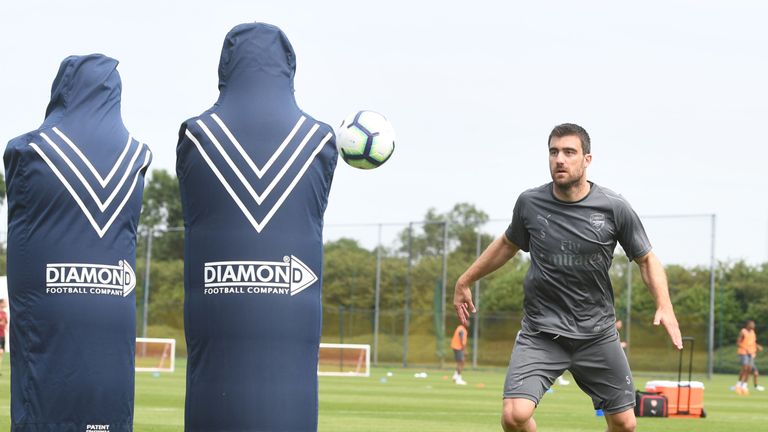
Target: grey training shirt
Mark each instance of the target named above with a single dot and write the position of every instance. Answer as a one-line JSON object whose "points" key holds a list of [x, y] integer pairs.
{"points": [[567, 288]]}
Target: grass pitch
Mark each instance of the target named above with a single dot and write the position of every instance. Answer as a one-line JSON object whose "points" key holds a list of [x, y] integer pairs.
{"points": [[403, 403]]}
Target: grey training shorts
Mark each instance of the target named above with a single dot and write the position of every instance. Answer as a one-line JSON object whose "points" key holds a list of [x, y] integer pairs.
{"points": [[598, 365], [747, 360], [458, 355]]}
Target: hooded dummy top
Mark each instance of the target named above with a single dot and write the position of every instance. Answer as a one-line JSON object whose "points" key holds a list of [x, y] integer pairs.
{"points": [[85, 146], [85, 85], [252, 53], [240, 136]]}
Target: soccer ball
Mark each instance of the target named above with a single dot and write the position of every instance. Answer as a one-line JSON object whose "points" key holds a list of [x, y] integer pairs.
{"points": [[365, 139]]}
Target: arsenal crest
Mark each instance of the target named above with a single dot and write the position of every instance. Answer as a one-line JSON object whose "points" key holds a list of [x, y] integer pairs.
{"points": [[597, 220]]}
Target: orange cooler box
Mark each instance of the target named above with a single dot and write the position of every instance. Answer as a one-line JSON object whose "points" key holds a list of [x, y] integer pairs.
{"points": [[670, 390]]}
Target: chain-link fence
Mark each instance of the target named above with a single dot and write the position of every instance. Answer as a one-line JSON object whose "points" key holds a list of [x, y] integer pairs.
{"points": [[391, 286]]}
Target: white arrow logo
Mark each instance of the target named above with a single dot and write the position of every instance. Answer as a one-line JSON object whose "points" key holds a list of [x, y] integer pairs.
{"points": [[291, 274], [301, 276], [117, 279]]}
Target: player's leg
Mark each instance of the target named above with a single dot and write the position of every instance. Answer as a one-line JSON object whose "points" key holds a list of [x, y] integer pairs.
{"points": [[746, 369], [744, 375], [743, 361], [458, 356], [456, 359], [622, 421], [601, 369], [755, 374], [536, 361], [517, 415]]}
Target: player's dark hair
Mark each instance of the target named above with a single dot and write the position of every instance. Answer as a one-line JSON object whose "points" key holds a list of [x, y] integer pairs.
{"points": [[571, 129]]}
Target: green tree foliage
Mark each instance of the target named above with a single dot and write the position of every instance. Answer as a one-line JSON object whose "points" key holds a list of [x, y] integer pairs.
{"points": [[162, 209], [349, 274], [464, 220], [503, 290], [423, 238], [166, 293], [2, 188], [427, 235], [746, 287], [162, 201]]}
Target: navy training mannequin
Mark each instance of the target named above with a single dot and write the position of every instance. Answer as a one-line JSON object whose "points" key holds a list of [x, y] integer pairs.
{"points": [[74, 195], [255, 172]]}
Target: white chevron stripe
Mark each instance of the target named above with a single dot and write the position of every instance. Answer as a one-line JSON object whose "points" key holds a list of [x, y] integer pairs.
{"points": [[292, 159], [223, 181], [127, 195], [259, 172], [102, 205], [258, 198], [296, 179], [99, 230], [87, 162], [231, 163], [256, 225]]}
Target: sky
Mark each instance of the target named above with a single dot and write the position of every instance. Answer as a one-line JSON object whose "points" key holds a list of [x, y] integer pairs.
{"points": [[673, 93]]}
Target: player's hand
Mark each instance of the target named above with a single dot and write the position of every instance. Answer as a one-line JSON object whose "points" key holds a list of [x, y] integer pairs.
{"points": [[462, 302], [666, 316]]}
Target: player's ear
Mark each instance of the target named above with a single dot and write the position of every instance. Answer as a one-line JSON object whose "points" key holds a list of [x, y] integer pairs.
{"points": [[587, 159]]}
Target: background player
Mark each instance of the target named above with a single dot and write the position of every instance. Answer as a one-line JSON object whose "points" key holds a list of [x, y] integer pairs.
{"points": [[747, 348], [459, 345], [3, 325], [570, 227], [619, 326]]}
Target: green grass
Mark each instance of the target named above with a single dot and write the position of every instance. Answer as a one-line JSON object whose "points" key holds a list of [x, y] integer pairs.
{"points": [[404, 403]]}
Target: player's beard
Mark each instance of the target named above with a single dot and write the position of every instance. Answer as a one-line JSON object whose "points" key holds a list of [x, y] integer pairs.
{"points": [[565, 186]]}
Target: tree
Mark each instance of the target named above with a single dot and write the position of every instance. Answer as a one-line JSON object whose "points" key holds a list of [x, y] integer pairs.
{"points": [[162, 209], [348, 274], [162, 201], [426, 236], [502, 291], [463, 221], [2, 189]]}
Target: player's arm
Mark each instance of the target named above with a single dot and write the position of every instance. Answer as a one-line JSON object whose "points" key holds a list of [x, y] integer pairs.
{"points": [[741, 337], [655, 279], [496, 255]]}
